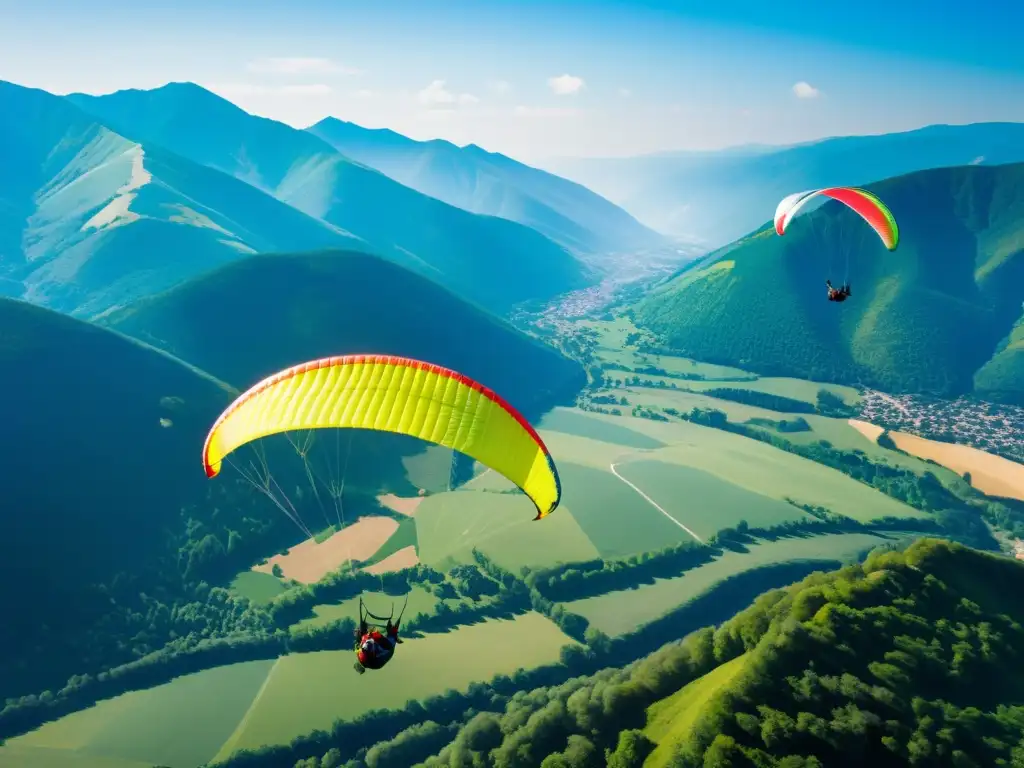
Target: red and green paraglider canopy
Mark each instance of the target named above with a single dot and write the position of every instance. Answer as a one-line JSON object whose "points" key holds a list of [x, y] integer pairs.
{"points": [[865, 204]]}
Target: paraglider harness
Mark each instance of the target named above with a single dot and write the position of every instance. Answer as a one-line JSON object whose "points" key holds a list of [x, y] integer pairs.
{"points": [[369, 630], [837, 294]]}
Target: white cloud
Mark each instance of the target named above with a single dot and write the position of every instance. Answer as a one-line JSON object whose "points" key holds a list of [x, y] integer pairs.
{"points": [[437, 94], [625, 93], [363, 93], [565, 85], [499, 87], [297, 65], [804, 90]]}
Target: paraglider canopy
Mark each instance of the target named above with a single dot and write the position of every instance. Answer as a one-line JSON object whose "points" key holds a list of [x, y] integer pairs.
{"points": [[392, 394], [865, 204]]}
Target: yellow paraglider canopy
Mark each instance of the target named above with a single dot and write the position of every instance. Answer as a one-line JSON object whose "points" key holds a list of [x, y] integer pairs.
{"points": [[392, 394]]}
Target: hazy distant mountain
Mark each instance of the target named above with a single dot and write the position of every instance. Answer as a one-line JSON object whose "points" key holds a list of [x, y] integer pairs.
{"points": [[942, 314], [493, 184], [717, 197], [90, 219], [491, 261]]}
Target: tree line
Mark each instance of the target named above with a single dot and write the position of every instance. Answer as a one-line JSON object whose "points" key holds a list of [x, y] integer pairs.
{"points": [[908, 659]]}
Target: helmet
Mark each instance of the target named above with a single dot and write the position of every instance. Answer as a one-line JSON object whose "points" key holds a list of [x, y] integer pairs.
{"points": [[368, 646]]}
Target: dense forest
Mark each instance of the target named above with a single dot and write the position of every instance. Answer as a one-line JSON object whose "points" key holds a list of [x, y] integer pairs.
{"points": [[907, 659]]}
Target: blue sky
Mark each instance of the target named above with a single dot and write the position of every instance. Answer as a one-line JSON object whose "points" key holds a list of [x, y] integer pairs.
{"points": [[536, 79]]}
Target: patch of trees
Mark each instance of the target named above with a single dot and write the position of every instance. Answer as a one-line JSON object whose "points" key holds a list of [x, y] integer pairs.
{"points": [[829, 404], [761, 400], [643, 412], [782, 425]]}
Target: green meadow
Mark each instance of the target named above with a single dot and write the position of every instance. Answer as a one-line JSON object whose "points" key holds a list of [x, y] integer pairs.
{"points": [[618, 520], [582, 424], [44, 757], [329, 689], [611, 340], [616, 613], [259, 587], [180, 724], [501, 525], [703, 502], [670, 720], [749, 464]]}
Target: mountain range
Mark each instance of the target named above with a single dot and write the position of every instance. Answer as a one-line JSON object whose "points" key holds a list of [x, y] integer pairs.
{"points": [[110, 198], [90, 220], [494, 262], [716, 197], [490, 183], [942, 314]]}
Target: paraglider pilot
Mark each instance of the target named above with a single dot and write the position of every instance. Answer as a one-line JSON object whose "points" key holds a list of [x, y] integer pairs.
{"points": [[373, 648], [837, 294], [376, 649]]}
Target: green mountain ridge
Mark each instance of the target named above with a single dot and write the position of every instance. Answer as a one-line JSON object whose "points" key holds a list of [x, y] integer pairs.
{"points": [[492, 261], [907, 659], [719, 196], [251, 318], [91, 220], [93, 421], [490, 183], [925, 318]]}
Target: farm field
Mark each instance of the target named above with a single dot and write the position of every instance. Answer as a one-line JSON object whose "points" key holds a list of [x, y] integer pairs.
{"points": [[618, 612], [704, 502], [501, 525], [180, 724], [44, 757], [755, 466], [396, 561], [309, 560], [259, 587], [669, 721], [617, 519], [328, 688], [990, 474], [571, 421], [403, 536], [741, 479]]}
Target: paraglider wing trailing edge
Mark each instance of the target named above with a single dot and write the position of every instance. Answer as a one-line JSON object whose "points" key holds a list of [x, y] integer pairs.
{"points": [[392, 394]]}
